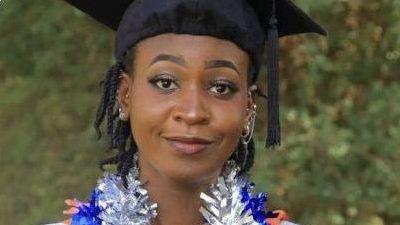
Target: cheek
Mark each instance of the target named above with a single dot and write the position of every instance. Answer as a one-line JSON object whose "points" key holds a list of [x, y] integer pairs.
{"points": [[228, 121], [147, 109]]}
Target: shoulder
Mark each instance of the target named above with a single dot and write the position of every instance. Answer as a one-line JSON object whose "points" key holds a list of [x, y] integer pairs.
{"points": [[63, 223], [287, 223], [279, 222], [280, 218], [275, 221]]}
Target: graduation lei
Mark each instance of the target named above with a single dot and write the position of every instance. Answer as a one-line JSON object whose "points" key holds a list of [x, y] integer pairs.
{"points": [[229, 201]]}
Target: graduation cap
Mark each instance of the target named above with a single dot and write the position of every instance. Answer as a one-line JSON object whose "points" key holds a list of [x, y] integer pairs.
{"points": [[248, 23]]}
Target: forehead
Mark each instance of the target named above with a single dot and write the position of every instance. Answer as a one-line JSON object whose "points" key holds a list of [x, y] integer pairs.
{"points": [[192, 48]]}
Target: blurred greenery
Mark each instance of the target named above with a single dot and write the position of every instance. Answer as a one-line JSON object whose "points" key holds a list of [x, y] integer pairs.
{"points": [[340, 113]]}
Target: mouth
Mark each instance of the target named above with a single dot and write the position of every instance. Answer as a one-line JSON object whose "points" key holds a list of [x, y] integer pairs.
{"points": [[188, 145]]}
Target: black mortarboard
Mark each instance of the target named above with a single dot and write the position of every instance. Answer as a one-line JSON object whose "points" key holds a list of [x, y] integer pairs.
{"points": [[247, 23]]}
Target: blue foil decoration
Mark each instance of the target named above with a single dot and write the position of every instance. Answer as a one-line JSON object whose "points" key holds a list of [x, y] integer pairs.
{"points": [[113, 204], [88, 213], [256, 205]]}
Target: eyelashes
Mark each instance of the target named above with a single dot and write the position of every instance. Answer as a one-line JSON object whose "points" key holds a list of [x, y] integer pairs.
{"points": [[223, 87], [167, 83], [164, 82]]}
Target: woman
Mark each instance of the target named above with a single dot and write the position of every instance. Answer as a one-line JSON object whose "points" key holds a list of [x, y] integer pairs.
{"points": [[180, 109]]}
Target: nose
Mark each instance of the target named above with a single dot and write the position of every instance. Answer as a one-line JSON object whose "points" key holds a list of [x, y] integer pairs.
{"points": [[192, 108]]}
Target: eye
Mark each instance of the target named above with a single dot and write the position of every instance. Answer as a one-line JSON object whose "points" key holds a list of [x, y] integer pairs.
{"points": [[164, 82], [221, 87]]}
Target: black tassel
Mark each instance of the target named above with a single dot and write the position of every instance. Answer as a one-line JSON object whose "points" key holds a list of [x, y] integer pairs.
{"points": [[274, 132]]}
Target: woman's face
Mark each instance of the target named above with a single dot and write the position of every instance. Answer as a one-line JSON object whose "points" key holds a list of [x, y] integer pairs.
{"points": [[187, 104]]}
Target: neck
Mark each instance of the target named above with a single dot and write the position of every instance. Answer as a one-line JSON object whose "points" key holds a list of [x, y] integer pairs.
{"points": [[178, 202], [176, 205]]}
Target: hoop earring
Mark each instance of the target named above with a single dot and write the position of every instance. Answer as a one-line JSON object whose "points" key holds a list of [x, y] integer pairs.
{"points": [[248, 134]]}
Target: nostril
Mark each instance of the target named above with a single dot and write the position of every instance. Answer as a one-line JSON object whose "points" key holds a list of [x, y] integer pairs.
{"points": [[178, 118], [192, 118]]}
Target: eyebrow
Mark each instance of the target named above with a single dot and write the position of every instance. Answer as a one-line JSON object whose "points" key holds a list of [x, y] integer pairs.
{"points": [[212, 64], [171, 58], [221, 63]]}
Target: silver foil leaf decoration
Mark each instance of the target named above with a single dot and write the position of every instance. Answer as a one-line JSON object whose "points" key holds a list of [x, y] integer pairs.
{"points": [[125, 206], [222, 204]]}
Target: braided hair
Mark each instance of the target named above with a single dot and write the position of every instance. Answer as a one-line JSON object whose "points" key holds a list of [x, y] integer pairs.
{"points": [[120, 131]]}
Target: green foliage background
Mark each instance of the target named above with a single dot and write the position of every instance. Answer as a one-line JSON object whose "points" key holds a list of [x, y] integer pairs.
{"points": [[339, 161]]}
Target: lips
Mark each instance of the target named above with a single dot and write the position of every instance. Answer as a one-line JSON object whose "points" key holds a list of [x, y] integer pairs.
{"points": [[188, 144]]}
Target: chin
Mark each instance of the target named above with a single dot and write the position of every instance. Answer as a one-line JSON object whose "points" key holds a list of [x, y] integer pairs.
{"points": [[188, 169]]}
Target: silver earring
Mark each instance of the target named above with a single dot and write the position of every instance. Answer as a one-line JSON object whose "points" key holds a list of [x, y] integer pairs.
{"points": [[122, 115], [248, 134]]}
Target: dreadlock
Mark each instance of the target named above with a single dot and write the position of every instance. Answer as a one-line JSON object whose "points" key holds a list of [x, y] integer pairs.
{"points": [[120, 131]]}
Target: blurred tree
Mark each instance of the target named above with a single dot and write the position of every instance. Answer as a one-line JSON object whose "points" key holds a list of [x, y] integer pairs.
{"points": [[340, 114]]}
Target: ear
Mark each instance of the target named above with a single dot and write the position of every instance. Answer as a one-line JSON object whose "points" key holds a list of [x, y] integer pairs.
{"points": [[250, 101], [124, 91]]}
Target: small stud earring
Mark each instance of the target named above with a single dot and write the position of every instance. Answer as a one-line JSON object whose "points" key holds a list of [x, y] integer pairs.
{"points": [[122, 115]]}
